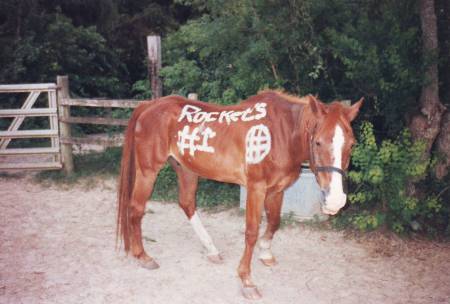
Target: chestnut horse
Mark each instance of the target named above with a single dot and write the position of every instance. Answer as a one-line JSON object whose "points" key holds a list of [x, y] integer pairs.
{"points": [[259, 144]]}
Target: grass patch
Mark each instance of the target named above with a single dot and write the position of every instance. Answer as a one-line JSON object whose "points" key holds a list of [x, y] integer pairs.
{"points": [[107, 164]]}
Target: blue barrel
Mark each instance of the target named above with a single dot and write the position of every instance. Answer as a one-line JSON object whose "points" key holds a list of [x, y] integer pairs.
{"points": [[302, 198]]}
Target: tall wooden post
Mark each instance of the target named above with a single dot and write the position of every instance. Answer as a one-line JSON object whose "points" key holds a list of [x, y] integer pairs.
{"points": [[64, 128], [154, 64]]}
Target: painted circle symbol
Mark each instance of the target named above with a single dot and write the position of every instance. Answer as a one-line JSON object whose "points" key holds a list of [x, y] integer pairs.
{"points": [[257, 144]]}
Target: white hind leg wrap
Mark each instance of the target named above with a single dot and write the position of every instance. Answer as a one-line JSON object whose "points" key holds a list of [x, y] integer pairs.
{"points": [[203, 235], [265, 252]]}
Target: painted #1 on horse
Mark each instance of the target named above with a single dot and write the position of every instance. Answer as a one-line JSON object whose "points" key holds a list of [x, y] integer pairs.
{"points": [[259, 144]]}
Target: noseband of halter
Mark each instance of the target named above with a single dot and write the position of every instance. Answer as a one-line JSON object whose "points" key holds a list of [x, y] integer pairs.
{"points": [[331, 169]]}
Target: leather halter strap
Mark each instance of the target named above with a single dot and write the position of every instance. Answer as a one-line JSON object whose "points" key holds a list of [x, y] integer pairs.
{"points": [[331, 169]]}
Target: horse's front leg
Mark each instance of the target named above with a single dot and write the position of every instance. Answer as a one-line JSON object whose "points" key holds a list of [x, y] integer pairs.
{"points": [[254, 205], [272, 205]]}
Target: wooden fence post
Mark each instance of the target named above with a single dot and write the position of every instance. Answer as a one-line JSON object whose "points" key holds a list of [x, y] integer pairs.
{"points": [[64, 128], [154, 64]]}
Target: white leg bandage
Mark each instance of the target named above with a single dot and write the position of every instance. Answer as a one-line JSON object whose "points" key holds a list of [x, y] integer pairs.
{"points": [[203, 235], [265, 252]]}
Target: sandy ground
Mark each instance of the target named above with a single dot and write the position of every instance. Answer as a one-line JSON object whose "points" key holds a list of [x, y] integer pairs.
{"points": [[57, 245]]}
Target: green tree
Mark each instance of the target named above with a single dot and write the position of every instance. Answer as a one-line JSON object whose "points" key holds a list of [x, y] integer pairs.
{"points": [[240, 47], [46, 45], [338, 49]]}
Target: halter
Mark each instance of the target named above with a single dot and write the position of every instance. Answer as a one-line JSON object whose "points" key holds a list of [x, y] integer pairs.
{"points": [[329, 169]]}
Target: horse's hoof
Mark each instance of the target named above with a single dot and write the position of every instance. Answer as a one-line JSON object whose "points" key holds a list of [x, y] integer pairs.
{"points": [[268, 262], [251, 293], [215, 258], [149, 264]]}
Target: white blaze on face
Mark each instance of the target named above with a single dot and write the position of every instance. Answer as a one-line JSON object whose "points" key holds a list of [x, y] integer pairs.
{"points": [[203, 235], [336, 198]]}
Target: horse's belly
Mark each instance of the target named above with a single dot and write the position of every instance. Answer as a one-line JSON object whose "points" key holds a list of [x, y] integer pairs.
{"points": [[223, 168]]}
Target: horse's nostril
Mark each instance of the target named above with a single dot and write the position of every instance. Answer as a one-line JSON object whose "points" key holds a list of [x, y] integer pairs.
{"points": [[323, 195]]}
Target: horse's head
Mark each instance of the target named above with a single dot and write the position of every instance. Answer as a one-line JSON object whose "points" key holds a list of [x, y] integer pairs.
{"points": [[331, 139]]}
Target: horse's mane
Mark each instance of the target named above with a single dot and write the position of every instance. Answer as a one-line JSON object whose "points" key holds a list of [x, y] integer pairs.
{"points": [[291, 98]]}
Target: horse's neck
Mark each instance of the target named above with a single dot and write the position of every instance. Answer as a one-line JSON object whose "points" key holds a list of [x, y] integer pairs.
{"points": [[302, 134]]}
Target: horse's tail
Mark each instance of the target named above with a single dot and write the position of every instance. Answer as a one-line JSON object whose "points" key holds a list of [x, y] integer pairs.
{"points": [[126, 182]]}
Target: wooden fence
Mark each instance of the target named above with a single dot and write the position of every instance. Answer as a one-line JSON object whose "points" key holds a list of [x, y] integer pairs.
{"points": [[58, 112], [66, 120], [65, 102], [51, 154]]}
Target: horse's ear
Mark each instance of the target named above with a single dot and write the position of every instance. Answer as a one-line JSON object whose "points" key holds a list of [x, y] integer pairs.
{"points": [[317, 107], [352, 112]]}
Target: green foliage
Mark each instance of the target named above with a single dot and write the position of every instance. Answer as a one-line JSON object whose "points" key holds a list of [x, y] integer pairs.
{"points": [[211, 193], [183, 75], [141, 90], [339, 49], [63, 49], [375, 50], [238, 48], [381, 173], [166, 187]]}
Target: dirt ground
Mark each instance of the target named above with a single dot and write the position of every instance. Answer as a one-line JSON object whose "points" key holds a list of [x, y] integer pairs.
{"points": [[57, 245]]}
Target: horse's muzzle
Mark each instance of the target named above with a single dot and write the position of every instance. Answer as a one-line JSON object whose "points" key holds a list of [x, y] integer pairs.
{"points": [[327, 211], [331, 204]]}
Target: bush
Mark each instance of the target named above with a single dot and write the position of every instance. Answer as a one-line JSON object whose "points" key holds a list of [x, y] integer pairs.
{"points": [[380, 176]]}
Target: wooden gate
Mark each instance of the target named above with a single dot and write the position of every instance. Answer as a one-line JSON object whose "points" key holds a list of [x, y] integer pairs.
{"points": [[36, 158]]}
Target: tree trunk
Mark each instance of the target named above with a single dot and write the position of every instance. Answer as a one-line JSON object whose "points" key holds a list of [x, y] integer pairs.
{"points": [[443, 141], [426, 124], [443, 147]]}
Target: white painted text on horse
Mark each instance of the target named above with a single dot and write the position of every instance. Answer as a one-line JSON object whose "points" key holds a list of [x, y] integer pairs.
{"points": [[195, 141], [195, 114]]}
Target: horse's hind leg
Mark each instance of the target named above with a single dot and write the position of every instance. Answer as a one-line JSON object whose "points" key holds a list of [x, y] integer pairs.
{"points": [[143, 187], [187, 188], [272, 205]]}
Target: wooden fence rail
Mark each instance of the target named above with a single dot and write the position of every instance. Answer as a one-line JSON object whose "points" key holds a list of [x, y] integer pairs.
{"points": [[102, 103], [29, 112], [66, 120], [27, 87]]}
